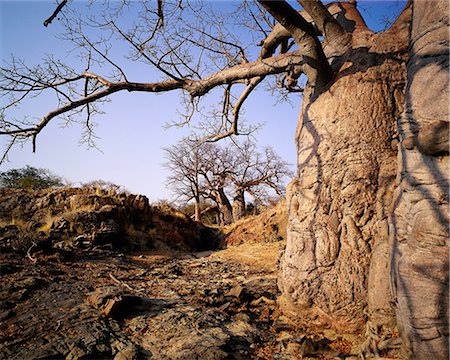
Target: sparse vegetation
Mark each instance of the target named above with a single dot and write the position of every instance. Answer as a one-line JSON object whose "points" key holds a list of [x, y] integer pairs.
{"points": [[108, 186], [267, 227], [64, 216], [29, 178]]}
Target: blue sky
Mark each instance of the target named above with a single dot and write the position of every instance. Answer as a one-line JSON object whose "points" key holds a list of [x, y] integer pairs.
{"points": [[131, 132]]}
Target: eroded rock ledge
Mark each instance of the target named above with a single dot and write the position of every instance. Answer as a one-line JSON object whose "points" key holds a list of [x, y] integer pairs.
{"points": [[86, 218]]}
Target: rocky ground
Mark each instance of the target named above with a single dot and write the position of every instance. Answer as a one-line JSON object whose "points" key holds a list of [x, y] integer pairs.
{"points": [[107, 305], [73, 288]]}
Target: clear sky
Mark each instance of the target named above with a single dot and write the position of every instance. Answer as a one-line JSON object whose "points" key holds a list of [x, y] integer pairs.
{"points": [[131, 132]]}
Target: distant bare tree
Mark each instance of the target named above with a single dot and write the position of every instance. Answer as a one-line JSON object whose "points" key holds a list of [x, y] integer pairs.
{"points": [[253, 172], [209, 171], [185, 161]]}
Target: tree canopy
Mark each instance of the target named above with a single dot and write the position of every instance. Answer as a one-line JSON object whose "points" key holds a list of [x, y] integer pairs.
{"points": [[30, 178], [201, 171], [188, 46]]}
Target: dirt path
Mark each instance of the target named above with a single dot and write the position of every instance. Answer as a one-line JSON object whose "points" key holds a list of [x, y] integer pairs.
{"points": [[107, 305]]}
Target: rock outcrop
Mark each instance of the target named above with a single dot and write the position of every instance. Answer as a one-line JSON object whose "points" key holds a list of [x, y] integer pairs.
{"points": [[96, 302], [87, 218]]}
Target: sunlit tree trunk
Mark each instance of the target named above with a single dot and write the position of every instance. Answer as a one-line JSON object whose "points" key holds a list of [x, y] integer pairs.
{"points": [[419, 223], [197, 211], [238, 205], [335, 270], [224, 206]]}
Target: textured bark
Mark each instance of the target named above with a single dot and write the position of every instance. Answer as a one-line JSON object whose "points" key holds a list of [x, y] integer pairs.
{"points": [[328, 26], [238, 206], [197, 212], [224, 206], [419, 222], [335, 269]]}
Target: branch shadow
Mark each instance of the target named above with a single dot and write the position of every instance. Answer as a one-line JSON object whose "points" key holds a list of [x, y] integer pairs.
{"points": [[438, 316]]}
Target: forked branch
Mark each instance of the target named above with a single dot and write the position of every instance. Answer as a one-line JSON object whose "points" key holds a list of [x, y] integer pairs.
{"points": [[316, 66], [168, 53], [334, 33]]}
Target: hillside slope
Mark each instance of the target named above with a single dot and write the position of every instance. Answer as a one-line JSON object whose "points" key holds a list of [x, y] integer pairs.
{"points": [[267, 227], [85, 218]]}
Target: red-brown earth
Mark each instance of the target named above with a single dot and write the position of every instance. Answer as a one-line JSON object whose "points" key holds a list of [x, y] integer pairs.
{"points": [[72, 291]]}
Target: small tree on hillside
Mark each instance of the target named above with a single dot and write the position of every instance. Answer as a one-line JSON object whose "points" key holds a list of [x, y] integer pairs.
{"points": [[30, 178]]}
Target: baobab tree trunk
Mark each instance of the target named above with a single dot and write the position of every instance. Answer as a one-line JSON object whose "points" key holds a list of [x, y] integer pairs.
{"points": [[419, 222], [224, 206], [238, 206], [197, 211], [335, 270]]}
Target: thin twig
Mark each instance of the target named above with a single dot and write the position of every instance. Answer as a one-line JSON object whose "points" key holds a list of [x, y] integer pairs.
{"points": [[34, 260], [117, 281]]}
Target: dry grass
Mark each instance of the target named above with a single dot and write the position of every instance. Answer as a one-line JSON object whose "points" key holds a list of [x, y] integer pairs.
{"points": [[269, 226], [263, 256], [49, 219], [257, 240], [20, 223]]}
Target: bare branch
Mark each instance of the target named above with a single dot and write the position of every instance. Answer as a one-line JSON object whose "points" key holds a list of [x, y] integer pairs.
{"points": [[140, 50], [55, 13], [278, 36], [112, 88], [7, 149], [195, 88], [102, 55], [78, 94], [160, 14], [272, 65]]}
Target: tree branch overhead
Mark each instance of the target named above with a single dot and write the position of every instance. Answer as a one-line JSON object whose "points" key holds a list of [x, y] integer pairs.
{"points": [[77, 92]]}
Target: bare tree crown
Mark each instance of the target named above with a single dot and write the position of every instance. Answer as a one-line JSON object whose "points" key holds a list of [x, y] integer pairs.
{"points": [[192, 46], [206, 171]]}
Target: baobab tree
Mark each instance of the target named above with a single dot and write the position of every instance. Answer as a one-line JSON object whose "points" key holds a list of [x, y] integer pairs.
{"points": [[215, 179], [370, 198], [203, 170], [198, 171], [255, 173], [185, 161]]}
